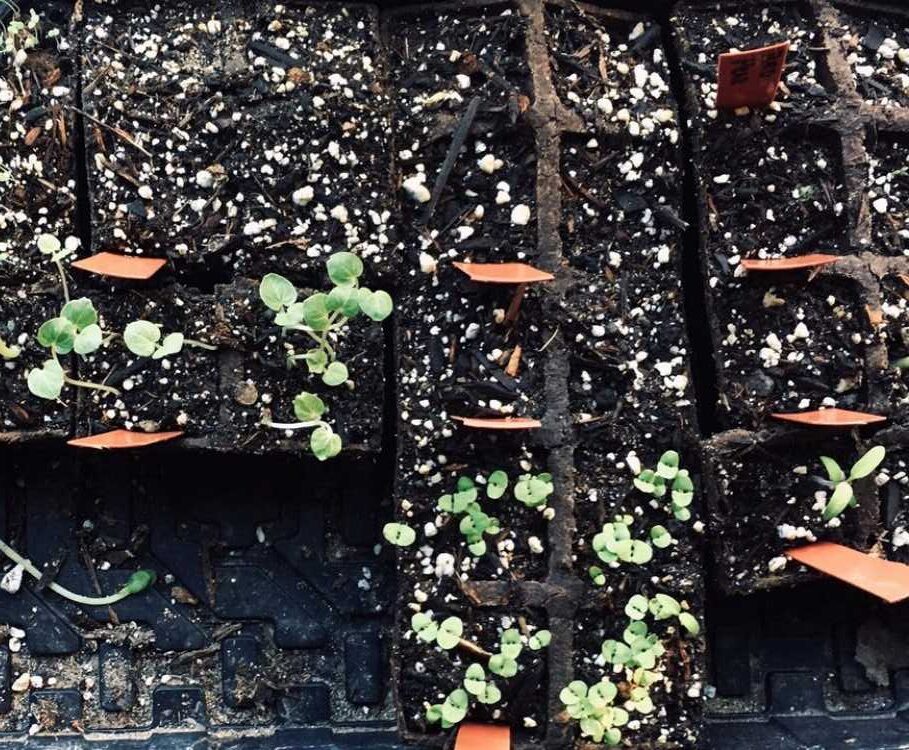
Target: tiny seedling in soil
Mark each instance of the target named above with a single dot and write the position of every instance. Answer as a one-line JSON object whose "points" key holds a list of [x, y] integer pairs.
{"points": [[448, 635], [320, 316], [843, 494], [137, 582], [592, 706], [654, 482]]}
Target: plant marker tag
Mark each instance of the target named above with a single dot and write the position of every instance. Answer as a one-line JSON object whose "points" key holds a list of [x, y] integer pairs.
{"points": [[750, 78], [483, 737], [121, 266], [499, 423], [831, 418], [503, 273], [797, 263], [884, 578], [123, 439]]}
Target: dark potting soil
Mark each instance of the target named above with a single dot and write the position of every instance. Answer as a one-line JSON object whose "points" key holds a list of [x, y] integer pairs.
{"points": [[257, 381], [37, 138], [429, 673], [264, 129], [893, 478], [888, 194], [894, 379], [787, 347], [611, 71], [765, 497], [22, 311], [706, 32], [876, 48], [177, 392], [621, 233]]}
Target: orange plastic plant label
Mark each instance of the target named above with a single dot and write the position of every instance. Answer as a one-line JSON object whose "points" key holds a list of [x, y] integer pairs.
{"points": [[813, 260], [483, 737], [750, 78], [884, 578], [121, 266], [499, 423], [503, 273], [122, 439], [831, 418]]}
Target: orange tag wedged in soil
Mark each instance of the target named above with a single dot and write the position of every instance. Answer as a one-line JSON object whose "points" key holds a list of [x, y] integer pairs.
{"points": [[814, 260], [122, 439], [750, 78], [831, 418], [499, 423], [121, 266], [884, 578], [503, 273], [483, 737]]}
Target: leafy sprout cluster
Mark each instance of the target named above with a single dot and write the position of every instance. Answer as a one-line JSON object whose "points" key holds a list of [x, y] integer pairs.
{"points": [[669, 477], [19, 35], [615, 545], [76, 330], [448, 635], [636, 655], [530, 489], [843, 494], [320, 317]]}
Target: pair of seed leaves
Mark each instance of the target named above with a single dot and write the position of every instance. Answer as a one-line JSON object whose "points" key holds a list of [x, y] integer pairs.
{"points": [[323, 441], [653, 482], [474, 523], [76, 330], [592, 707], [615, 544], [843, 494]]}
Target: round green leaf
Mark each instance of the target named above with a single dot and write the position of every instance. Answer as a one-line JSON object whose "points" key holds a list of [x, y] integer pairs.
{"points": [[424, 626], [602, 694], [344, 268], [46, 382], [335, 374], [345, 299], [503, 666], [455, 707], [59, 334], [490, 694], [434, 713], [399, 534], [316, 360], [315, 312], [277, 292], [616, 652], [324, 443], [139, 581], [636, 629], [80, 312], [450, 631], [668, 466], [377, 305], [141, 337], [868, 463], [660, 537], [592, 728], [540, 639], [688, 621], [496, 484], [292, 316], [636, 608], [48, 244], [171, 344], [612, 737], [574, 693], [88, 340], [663, 606], [475, 679], [510, 644], [308, 407]]}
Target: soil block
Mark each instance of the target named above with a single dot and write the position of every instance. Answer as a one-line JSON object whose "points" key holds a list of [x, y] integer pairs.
{"points": [[245, 139], [37, 139], [257, 382], [22, 311], [888, 194], [766, 494], [176, 392]]}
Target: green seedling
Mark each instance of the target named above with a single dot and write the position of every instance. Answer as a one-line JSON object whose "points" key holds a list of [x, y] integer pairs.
{"points": [[19, 35], [614, 544], [50, 246], [533, 490], [319, 317], [308, 409], [399, 534], [592, 706], [843, 494], [475, 683], [9, 351], [452, 711], [446, 634], [668, 476], [137, 582]]}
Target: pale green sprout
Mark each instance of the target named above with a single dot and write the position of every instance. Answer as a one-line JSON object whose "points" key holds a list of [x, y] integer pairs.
{"points": [[399, 534], [533, 490], [669, 476], [318, 317], [593, 708], [843, 494]]}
